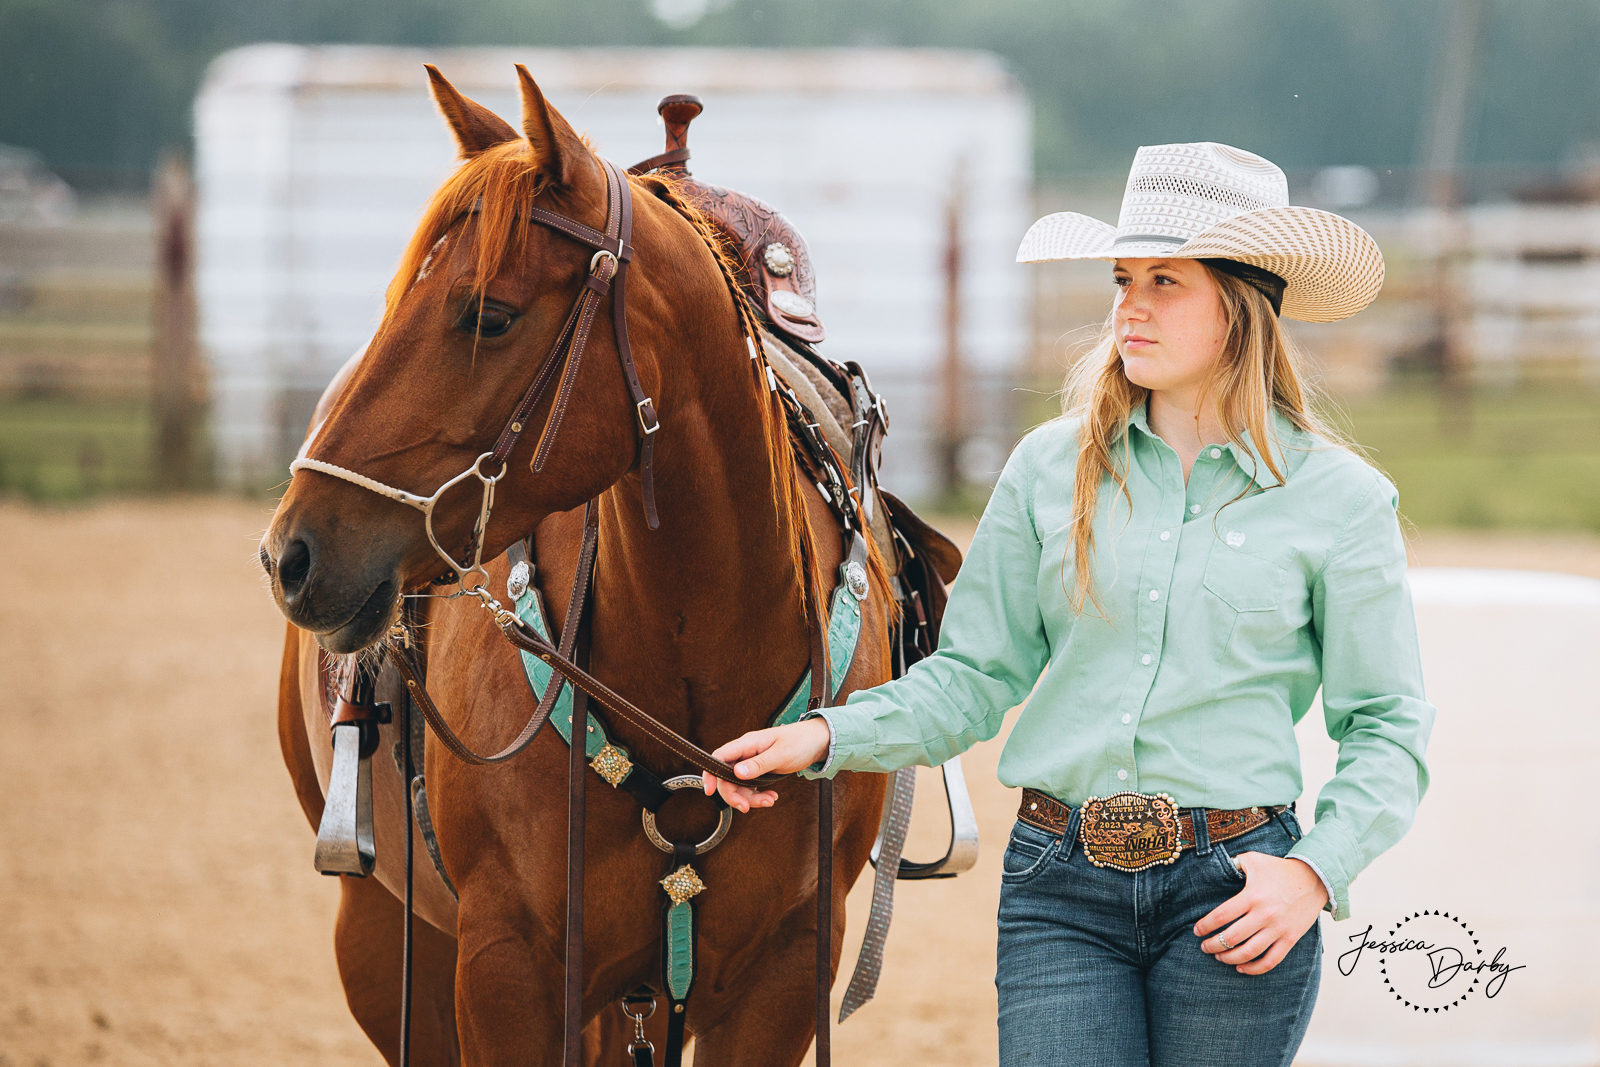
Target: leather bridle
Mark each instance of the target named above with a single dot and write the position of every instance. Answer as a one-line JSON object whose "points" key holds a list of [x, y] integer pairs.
{"points": [[607, 274]]}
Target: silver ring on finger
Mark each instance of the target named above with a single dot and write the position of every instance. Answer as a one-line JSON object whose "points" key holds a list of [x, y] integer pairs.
{"points": [[1223, 941]]}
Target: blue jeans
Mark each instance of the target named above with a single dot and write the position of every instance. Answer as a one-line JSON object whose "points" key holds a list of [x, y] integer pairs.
{"points": [[1101, 968]]}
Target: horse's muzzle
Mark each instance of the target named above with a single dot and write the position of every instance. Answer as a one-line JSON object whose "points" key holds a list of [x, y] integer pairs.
{"points": [[345, 611]]}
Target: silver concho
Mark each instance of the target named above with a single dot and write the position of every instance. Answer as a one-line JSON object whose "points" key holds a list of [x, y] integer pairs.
{"points": [[517, 584], [855, 579], [792, 304], [778, 258]]}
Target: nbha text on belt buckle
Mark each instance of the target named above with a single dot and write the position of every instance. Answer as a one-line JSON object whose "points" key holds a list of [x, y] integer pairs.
{"points": [[1130, 831]]}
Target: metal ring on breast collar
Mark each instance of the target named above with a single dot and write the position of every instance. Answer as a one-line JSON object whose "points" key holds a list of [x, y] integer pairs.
{"points": [[724, 819]]}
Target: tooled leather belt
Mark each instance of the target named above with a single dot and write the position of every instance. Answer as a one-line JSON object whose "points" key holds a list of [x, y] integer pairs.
{"points": [[1047, 813]]}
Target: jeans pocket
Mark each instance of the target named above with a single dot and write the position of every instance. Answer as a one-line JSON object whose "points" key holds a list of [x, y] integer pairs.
{"points": [[1027, 853], [1225, 865], [1270, 838]]}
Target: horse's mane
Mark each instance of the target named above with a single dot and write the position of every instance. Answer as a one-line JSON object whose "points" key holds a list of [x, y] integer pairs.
{"points": [[497, 184], [775, 424], [793, 518]]}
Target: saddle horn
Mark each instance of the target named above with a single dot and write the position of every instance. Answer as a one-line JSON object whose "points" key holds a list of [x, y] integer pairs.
{"points": [[774, 264], [677, 111]]}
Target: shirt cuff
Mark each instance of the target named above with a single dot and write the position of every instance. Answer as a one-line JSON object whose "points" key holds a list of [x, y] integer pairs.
{"points": [[820, 769], [1326, 885], [1329, 849]]}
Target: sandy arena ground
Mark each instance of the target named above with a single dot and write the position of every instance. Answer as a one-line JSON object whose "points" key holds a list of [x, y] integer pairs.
{"points": [[157, 902]]}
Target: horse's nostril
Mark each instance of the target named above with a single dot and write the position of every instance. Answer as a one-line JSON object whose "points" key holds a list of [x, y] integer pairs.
{"points": [[293, 566]]}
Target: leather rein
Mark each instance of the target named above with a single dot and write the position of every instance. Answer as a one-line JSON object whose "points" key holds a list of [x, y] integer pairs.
{"points": [[607, 273]]}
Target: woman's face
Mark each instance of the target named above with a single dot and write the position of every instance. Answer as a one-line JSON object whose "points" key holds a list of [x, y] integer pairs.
{"points": [[1169, 323]]}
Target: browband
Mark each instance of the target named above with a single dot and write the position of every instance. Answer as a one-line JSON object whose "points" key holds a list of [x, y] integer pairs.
{"points": [[1270, 284]]}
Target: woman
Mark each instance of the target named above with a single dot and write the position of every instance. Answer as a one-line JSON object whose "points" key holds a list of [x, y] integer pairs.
{"points": [[1188, 592]]}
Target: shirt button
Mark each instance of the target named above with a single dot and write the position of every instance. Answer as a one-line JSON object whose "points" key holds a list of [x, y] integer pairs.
{"points": [[1194, 509], [1145, 659], [1166, 535], [1122, 775], [1216, 453], [1155, 594], [1126, 717]]}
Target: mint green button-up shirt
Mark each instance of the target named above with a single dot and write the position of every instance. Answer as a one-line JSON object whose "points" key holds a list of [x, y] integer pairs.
{"points": [[1224, 620]]}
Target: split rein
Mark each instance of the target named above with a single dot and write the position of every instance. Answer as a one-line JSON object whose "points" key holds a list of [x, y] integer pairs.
{"points": [[607, 273]]}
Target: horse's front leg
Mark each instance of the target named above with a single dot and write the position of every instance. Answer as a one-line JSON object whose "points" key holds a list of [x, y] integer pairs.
{"points": [[510, 976], [769, 1017], [368, 945]]}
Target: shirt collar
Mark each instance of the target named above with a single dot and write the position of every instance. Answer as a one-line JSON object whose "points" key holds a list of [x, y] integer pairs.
{"points": [[1289, 439]]}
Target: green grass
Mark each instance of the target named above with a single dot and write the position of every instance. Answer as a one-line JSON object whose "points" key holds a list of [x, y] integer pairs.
{"points": [[60, 449], [1523, 459], [1519, 459], [1516, 459]]}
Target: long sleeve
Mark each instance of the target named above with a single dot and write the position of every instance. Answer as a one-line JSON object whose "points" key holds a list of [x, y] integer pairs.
{"points": [[992, 648], [1372, 696]]}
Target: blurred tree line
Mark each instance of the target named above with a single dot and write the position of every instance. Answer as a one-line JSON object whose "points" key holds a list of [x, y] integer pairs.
{"points": [[105, 85]]}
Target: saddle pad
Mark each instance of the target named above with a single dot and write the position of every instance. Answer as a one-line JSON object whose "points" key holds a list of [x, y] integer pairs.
{"points": [[844, 634]]}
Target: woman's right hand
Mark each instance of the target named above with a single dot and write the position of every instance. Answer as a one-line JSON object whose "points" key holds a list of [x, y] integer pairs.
{"points": [[778, 750]]}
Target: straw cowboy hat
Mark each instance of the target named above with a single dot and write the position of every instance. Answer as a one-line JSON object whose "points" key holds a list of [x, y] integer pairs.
{"points": [[1214, 202]]}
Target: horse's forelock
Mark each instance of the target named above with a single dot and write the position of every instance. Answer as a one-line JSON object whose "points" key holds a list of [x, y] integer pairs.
{"points": [[500, 182]]}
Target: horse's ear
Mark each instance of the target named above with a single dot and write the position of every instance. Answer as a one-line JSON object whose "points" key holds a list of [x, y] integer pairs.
{"points": [[556, 145], [475, 126]]}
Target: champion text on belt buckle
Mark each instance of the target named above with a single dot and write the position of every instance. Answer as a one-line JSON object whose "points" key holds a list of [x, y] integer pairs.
{"points": [[1130, 831]]}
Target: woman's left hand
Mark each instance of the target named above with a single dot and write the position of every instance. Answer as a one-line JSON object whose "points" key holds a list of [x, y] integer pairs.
{"points": [[1280, 900]]}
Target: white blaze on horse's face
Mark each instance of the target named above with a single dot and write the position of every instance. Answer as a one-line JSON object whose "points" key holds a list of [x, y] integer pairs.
{"points": [[427, 263], [1168, 321]]}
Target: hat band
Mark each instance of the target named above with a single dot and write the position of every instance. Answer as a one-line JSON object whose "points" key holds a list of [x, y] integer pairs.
{"points": [[1270, 284], [1147, 238]]}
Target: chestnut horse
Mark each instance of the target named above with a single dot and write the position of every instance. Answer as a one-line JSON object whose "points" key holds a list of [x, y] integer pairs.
{"points": [[700, 622]]}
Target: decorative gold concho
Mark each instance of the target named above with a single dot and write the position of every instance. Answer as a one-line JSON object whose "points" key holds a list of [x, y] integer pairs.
{"points": [[1130, 831], [682, 884], [610, 764]]}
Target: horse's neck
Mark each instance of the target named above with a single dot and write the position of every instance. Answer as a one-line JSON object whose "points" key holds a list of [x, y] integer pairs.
{"points": [[712, 591]]}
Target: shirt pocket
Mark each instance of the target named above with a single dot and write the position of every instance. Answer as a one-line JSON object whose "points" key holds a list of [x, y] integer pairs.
{"points": [[1243, 581]]}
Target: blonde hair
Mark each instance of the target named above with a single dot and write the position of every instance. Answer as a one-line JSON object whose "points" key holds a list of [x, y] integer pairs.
{"points": [[1259, 365]]}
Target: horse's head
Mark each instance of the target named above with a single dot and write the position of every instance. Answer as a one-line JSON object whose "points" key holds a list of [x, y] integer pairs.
{"points": [[481, 296]]}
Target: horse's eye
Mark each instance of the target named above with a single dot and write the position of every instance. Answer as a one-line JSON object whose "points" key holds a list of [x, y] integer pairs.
{"points": [[486, 321]]}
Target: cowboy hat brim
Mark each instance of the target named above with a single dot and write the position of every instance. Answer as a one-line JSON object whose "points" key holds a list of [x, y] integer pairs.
{"points": [[1332, 267]]}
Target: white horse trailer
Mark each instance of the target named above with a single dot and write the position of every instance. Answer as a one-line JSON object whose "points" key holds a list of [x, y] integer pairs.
{"points": [[313, 165]]}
